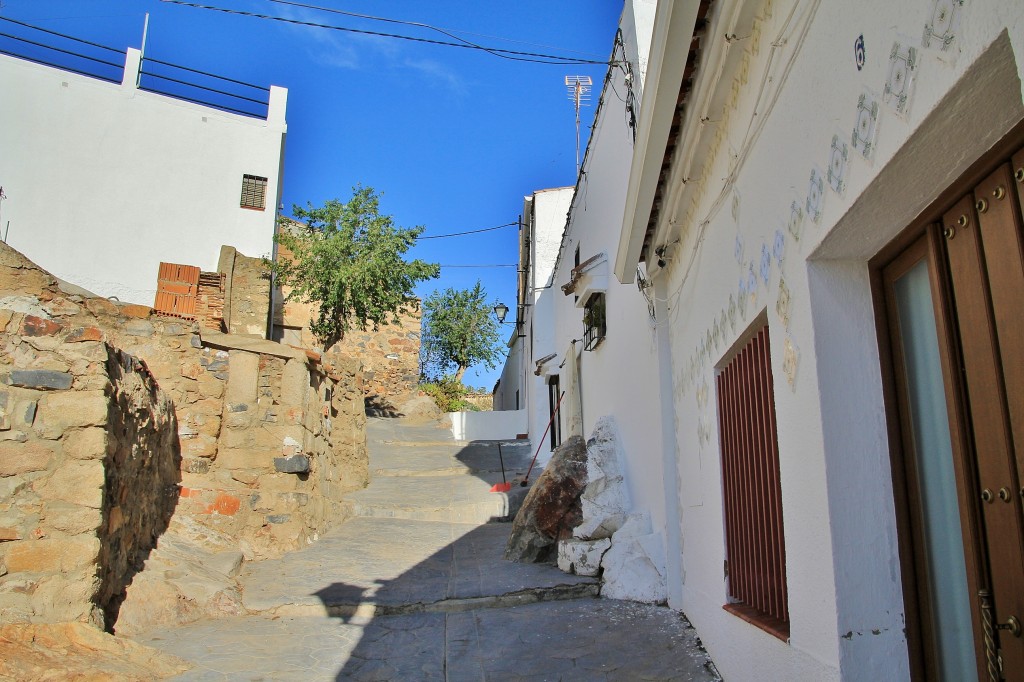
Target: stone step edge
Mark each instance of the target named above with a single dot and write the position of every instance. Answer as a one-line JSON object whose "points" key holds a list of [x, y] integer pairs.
{"points": [[367, 610], [450, 471]]}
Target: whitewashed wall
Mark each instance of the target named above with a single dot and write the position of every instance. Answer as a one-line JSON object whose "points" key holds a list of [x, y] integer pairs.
{"points": [[620, 377], [104, 181], [725, 211], [511, 382], [547, 211]]}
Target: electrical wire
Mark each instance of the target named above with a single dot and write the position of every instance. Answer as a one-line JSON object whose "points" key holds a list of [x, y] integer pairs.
{"points": [[460, 234], [514, 55], [493, 265], [444, 31]]}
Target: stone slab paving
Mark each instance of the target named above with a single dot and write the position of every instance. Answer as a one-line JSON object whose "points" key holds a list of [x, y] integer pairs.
{"points": [[415, 588], [583, 639], [393, 562]]}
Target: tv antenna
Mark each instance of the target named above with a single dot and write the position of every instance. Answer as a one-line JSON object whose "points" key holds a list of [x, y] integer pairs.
{"points": [[579, 88]]}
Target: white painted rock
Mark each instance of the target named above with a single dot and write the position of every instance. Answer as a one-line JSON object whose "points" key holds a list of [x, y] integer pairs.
{"points": [[634, 567], [582, 557], [605, 500]]}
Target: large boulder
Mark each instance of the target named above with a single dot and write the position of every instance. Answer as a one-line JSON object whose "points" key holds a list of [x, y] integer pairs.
{"points": [[605, 500], [552, 508]]}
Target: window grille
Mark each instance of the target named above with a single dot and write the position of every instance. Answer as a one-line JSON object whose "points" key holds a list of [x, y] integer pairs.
{"points": [[594, 321], [751, 491], [254, 192]]}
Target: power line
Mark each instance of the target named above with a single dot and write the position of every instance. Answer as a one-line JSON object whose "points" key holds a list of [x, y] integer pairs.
{"points": [[459, 234], [497, 265], [515, 55], [444, 31]]}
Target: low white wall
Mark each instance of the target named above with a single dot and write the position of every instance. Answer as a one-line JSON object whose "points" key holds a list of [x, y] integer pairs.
{"points": [[503, 425]]}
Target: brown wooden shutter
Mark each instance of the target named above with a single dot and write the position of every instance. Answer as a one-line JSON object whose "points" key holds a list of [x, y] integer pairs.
{"points": [[752, 494]]}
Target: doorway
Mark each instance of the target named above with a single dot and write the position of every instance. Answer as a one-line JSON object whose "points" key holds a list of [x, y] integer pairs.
{"points": [[954, 311]]}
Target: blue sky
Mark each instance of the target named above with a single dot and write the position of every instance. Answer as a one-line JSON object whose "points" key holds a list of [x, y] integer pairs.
{"points": [[453, 138]]}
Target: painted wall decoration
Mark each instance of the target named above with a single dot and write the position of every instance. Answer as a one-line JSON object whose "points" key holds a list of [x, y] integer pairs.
{"points": [[903, 62], [796, 220], [859, 53], [837, 166], [815, 194], [941, 28], [790, 361], [782, 304], [863, 138]]}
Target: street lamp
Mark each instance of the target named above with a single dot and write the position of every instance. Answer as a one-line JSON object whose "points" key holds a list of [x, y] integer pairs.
{"points": [[500, 311]]}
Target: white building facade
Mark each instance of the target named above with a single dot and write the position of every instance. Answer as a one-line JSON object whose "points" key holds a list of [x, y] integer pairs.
{"points": [[813, 191], [818, 384], [105, 180]]}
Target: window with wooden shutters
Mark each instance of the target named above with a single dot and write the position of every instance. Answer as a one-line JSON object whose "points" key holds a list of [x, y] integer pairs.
{"points": [[752, 495], [254, 192]]}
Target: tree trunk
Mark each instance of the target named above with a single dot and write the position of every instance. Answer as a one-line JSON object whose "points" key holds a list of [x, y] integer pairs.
{"points": [[459, 373]]}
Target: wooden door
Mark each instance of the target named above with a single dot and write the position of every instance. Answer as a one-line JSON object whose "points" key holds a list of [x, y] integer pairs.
{"points": [[963, 489]]}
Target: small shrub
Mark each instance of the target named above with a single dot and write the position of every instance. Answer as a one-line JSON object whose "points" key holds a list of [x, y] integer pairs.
{"points": [[449, 393]]}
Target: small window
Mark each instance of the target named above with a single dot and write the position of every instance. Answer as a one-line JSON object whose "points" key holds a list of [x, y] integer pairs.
{"points": [[751, 491], [254, 192], [594, 321]]}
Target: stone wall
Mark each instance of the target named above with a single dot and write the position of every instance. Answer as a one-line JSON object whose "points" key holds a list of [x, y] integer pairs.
{"points": [[246, 292], [264, 439], [390, 355], [88, 471]]}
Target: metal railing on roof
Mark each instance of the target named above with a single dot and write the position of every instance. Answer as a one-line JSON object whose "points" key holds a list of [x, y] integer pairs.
{"points": [[201, 87], [61, 51], [87, 58]]}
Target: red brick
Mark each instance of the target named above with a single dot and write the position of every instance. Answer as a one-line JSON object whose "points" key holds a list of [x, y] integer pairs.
{"points": [[37, 326], [84, 334], [224, 504]]}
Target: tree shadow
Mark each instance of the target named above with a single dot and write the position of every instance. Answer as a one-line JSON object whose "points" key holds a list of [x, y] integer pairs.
{"points": [[380, 406]]}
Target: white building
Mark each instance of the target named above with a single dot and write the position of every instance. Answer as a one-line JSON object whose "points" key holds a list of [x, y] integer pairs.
{"points": [[106, 180], [827, 198]]}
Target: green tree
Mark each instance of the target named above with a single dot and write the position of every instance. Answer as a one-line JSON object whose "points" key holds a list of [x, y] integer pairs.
{"points": [[459, 331], [347, 260]]}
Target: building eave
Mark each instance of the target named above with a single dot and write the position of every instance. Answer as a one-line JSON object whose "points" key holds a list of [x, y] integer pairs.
{"points": [[672, 49]]}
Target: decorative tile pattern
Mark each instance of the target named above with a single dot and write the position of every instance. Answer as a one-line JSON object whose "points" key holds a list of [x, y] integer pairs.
{"points": [[837, 159], [942, 27], [779, 247], [863, 138], [766, 264], [859, 53], [782, 304], [796, 220], [902, 69], [790, 361], [815, 195]]}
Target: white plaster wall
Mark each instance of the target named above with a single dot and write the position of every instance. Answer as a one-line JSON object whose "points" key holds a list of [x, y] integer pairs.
{"points": [[104, 181], [503, 425], [620, 377], [547, 214], [511, 379], [842, 565]]}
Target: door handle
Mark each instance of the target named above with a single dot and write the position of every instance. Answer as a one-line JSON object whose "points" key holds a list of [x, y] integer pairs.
{"points": [[1012, 625]]}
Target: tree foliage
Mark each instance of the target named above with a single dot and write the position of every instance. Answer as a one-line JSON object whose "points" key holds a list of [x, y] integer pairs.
{"points": [[459, 331], [347, 260]]}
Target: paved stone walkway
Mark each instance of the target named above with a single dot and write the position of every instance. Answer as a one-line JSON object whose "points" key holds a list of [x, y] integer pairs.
{"points": [[415, 588]]}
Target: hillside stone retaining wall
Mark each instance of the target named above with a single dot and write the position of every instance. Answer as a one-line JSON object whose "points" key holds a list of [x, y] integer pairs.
{"points": [[112, 418]]}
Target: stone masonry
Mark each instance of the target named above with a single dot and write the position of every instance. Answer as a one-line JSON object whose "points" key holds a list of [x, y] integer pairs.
{"points": [[88, 471], [390, 354], [255, 441]]}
